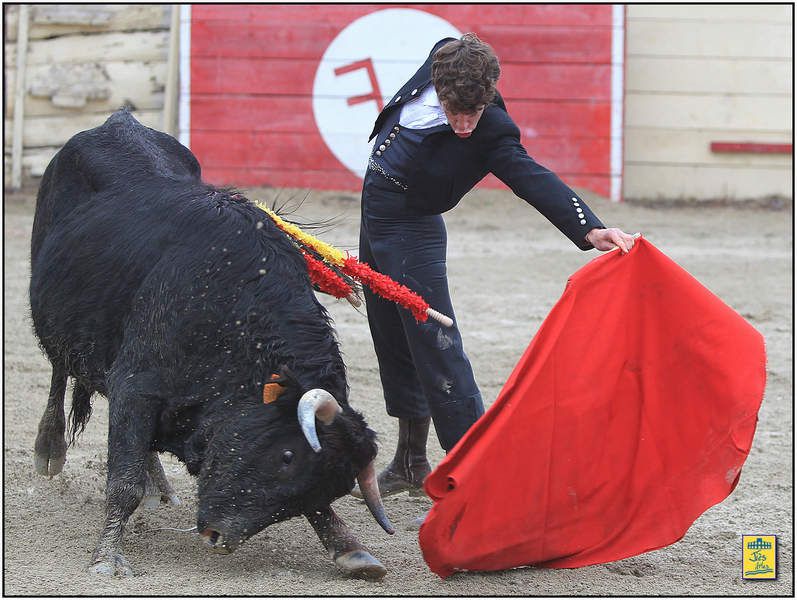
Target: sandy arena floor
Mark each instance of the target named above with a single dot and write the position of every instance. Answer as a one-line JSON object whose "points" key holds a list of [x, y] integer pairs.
{"points": [[507, 267]]}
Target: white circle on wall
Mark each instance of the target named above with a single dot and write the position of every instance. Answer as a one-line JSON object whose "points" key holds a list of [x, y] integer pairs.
{"points": [[373, 55]]}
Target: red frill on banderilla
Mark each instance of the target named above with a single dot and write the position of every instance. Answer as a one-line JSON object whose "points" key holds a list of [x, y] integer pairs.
{"points": [[328, 268]]}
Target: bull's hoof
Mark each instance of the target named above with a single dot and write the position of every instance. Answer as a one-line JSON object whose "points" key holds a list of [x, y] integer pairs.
{"points": [[151, 501], [361, 565], [49, 465], [50, 454], [114, 565], [157, 490]]}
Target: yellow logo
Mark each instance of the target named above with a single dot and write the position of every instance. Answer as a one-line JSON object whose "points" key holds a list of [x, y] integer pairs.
{"points": [[760, 556]]}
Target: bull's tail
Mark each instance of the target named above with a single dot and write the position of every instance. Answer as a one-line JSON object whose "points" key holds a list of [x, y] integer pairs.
{"points": [[80, 413]]}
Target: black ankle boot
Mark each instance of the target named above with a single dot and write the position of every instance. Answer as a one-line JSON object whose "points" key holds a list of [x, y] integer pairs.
{"points": [[409, 466]]}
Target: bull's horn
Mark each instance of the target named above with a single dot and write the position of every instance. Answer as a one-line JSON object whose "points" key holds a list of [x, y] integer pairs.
{"points": [[369, 487], [316, 403]]}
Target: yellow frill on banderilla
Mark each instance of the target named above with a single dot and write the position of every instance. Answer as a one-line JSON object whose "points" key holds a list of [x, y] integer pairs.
{"points": [[327, 252]]}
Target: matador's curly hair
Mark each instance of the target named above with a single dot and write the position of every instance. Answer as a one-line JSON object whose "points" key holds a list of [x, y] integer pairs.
{"points": [[464, 73]]}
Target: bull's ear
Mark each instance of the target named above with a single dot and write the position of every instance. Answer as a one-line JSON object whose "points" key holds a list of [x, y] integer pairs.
{"points": [[287, 377]]}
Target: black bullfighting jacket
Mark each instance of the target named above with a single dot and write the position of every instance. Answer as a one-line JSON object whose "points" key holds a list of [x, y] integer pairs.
{"points": [[447, 167]]}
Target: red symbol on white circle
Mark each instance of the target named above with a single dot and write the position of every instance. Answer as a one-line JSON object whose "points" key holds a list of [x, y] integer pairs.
{"points": [[362, 68]]}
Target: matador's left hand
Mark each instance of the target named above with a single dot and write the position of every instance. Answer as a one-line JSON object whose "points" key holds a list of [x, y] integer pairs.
{"points": [[607, 239]]}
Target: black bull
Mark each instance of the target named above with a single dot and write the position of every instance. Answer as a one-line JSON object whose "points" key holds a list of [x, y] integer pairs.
{"points": [[179, 302]]}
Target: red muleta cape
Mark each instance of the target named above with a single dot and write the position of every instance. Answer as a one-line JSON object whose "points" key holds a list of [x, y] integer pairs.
{"points": [[630, 414]]}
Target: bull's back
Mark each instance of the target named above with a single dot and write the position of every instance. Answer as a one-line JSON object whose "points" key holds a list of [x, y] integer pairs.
{"points": [[98, 228], [118, 155], [89, 268]]}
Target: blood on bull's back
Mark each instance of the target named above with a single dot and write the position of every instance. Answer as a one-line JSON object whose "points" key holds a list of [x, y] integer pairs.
{"points": [[181, 302]]}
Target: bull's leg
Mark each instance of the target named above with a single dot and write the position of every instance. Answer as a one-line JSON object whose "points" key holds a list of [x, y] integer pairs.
{"points": [[50, 446], [157, 488], [350, 556], [130, 431]]}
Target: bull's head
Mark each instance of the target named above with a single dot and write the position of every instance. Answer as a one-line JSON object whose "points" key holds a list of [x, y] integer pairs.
{"points": [[321, 405], [264, 464]]}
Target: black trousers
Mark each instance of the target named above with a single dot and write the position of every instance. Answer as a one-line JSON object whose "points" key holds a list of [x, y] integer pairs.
{"points": [[423, 366]]}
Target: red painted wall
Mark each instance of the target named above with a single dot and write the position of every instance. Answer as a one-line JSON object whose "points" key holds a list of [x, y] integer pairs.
{"points": [[253, 68]]}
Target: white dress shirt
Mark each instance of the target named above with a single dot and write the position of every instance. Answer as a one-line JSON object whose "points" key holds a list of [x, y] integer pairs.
{"points": [[423, 112]]}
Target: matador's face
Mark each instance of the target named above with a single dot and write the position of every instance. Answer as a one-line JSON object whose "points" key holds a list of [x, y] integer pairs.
{"points": [[463, 123]]}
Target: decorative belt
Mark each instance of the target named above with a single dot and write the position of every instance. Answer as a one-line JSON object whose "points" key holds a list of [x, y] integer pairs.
{"points": [[375, 166]]}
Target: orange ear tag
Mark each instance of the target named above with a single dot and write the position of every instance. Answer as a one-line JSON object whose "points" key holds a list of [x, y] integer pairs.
{"points": [[272, 390]]}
